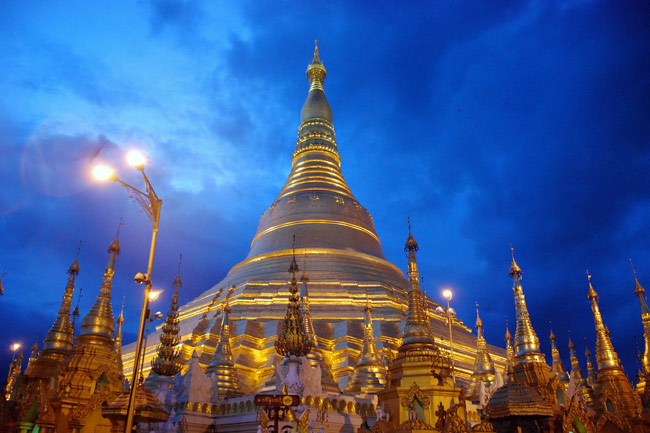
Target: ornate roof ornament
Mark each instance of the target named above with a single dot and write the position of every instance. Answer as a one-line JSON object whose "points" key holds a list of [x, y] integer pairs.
{"points": [[167, 363], [292, 339]]}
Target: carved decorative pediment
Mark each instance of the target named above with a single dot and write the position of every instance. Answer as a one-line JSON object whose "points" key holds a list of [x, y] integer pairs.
{"points": [[415, 392]]}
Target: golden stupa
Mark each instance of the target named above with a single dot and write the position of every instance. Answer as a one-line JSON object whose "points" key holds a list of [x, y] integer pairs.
{"points": [[336, 243]]}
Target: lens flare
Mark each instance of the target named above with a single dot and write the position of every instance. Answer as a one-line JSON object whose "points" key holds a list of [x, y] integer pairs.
{"points": [[135, 158], [103, 172]]}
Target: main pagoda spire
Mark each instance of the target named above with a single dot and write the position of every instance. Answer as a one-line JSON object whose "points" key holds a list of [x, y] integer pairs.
{"points": [[316, 197]]}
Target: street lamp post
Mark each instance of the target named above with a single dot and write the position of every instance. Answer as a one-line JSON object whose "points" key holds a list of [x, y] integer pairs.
{"points": [[447, 295], [150, 204], [153, 295]]}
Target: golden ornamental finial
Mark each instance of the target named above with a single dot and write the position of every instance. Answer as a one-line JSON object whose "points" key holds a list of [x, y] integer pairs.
{"points": [[411, 243], [592, 293], [515, 270], [293, 268], [479, 322], [638, 289]]}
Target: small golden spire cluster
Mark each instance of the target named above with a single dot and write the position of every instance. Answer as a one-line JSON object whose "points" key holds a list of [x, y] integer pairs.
{"points": [[167, 363], [292, 339]]}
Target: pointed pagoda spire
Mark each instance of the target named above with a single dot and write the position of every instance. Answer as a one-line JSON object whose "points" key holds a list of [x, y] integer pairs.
{"points": [[483, 373], [308, 325], [510, 353], [417, 329], [639, 291], [578, 376], [99, 321], [222, 365], [167, 363], [2, 277], [557, 367], [369, 374], [60, 336], [606, 357], [292, 339], [591, 370], [118, 336], [316, 105], [526, 341]]}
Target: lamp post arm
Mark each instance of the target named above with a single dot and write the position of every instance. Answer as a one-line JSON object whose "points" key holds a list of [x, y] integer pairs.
{"points": [[148, 201]]}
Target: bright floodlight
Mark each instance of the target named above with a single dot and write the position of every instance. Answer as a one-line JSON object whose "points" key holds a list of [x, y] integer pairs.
{"points": [[153, 295], [446, 294], [103, 172], [135, 158], [15, 346]]}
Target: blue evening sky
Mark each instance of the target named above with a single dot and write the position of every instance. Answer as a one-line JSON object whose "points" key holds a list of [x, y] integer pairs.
{"points": [[485, 122]]}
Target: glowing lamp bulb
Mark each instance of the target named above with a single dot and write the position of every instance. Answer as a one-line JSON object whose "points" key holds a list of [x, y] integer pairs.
{"points": [[15, 346], [153, 295], [103, 172], [135, 158], [446, 294]]}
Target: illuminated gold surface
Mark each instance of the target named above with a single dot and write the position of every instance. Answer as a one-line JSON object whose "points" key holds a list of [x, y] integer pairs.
{"points": [[336, 237], [295, 223]]}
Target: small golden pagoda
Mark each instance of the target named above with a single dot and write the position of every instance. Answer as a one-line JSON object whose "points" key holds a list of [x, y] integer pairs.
{"points": [[581, 384], [222, 367], [421, 391], [591, 370], [370, 372], [483, 366], [557, 367], [616, 403]]}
